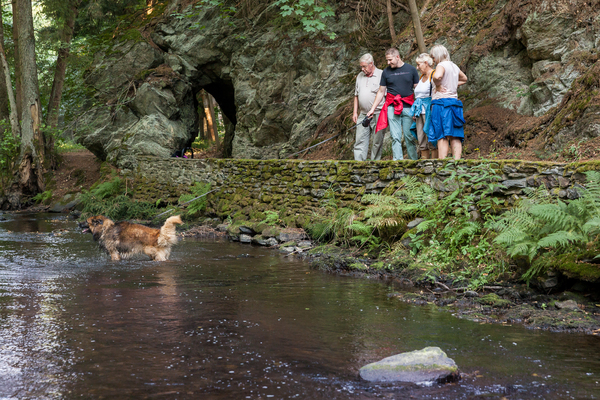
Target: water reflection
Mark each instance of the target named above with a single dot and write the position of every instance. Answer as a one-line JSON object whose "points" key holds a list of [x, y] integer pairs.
{"points": [[210, 324]]}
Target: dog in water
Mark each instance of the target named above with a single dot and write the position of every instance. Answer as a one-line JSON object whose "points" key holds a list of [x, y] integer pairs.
{"points": [[124, 239]]}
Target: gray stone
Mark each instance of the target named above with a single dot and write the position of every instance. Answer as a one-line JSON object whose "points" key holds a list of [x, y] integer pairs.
{"points": [[515, 183], [259, 240], [291, 236], [247, 230], [271, 242], [66, 204], [430, 364], [567, 305], [415, 222], [222, 227], [245, 238]]}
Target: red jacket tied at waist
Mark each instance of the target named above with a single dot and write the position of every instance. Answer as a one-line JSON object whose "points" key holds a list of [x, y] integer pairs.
{"points": [[392, 100]]}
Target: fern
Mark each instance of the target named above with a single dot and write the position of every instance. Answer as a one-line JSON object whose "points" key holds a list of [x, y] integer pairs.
{"points": [[538, 225]]}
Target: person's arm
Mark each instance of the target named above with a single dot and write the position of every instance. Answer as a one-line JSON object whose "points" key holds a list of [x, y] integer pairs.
{"points": [[378, 97], [462, 78], [438, 75], [355, 113]]}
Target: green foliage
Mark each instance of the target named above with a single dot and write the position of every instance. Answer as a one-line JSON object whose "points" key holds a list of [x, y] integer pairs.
{"points": [[271, 218], [109, 199], [312, 14], [43, 197], [108, 189], [117, 208], [9, 152], [195, 208], [539, 225]]}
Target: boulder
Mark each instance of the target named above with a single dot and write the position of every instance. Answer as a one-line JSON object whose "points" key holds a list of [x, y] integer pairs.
{"points": [[427, 365]]}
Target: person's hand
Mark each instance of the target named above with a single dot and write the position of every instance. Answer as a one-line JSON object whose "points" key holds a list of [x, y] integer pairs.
{"points": [[414, 118], [370, 113], [355, 117]]}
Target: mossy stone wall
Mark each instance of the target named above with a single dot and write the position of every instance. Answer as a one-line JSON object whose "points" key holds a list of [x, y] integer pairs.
{"points": [[297, 188]]}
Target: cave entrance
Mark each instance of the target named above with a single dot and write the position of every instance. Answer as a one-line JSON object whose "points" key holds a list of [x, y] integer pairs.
{"points": [[217, 114]]}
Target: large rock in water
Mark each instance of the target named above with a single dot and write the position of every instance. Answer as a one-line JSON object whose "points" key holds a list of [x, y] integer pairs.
{"points": [[428, 365]]}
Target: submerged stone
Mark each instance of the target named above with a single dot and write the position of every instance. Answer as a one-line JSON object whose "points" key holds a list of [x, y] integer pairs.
{"points": [[430, 364]]}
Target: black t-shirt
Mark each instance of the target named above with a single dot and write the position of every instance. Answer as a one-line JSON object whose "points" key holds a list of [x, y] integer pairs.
{"points": [[400, 80]]}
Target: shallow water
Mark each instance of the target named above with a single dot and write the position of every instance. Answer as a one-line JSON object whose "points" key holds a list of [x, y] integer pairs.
{"points": [[221, 320]]}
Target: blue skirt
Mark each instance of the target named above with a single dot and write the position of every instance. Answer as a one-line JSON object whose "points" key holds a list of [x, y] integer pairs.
{"points": [[447, 120]]}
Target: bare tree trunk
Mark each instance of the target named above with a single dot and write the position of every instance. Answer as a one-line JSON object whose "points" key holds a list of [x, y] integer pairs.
{"points": [[391, 21], [209, 112], [414, 12], [7, 85], [61, 65], [31, 159]]}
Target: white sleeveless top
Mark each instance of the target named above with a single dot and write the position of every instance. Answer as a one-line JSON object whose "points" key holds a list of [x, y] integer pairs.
{"points": [[449, 81]]}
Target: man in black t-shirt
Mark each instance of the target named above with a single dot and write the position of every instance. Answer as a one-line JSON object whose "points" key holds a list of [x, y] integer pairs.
{"points": [[399, 79]]}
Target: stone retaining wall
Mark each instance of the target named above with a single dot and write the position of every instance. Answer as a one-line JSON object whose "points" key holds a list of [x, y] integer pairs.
{"points": [[297, 188]]}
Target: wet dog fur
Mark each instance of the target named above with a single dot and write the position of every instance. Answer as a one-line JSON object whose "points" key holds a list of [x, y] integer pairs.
{"points": [[124, 239]]}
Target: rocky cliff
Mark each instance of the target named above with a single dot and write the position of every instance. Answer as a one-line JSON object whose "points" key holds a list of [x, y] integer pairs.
{"points": [[277, 84]]}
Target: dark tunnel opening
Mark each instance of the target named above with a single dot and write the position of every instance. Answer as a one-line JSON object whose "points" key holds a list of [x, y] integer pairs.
{"points": [[224, 94]]}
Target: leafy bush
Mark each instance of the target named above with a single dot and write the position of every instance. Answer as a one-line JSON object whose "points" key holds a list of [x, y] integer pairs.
{"points": [[117, 208], [109, 199], [539, 225], [43, 197]]}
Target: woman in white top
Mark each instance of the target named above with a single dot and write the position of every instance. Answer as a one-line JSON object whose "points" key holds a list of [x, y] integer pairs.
{"points": [[422, 106], [447, 121]]}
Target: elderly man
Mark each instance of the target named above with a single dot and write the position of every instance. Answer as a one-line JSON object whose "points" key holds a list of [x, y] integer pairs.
{"points": [[399, 79], [367, 85]]}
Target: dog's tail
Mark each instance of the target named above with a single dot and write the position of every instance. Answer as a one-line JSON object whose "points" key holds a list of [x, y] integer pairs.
{"points": [[167, 236]]}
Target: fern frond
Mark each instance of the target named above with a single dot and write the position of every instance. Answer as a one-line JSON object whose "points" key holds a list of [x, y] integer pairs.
{"points": [[592, 226], [559, 239], [555, 214]]}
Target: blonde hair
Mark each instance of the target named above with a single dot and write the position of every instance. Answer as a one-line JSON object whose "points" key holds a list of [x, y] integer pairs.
{"points": [[424, 57], [367, 58], [439, 53]]}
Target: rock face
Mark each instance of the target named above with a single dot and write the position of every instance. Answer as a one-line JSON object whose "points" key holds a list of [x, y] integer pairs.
{"points": [[275, 86], [428, 365]]}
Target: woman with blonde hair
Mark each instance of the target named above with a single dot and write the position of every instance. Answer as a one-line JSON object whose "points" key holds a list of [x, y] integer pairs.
{"points": [[447, 120], [420, 109]]}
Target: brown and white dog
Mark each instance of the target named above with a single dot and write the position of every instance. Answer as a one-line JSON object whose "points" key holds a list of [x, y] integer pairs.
{"points": [[124, 239]]}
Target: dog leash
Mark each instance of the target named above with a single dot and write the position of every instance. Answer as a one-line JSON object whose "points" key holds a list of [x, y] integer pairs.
{"points": [[183, 204]]}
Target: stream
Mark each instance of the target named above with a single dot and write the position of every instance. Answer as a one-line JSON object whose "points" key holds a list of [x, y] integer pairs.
{"points": [[221, 320]]}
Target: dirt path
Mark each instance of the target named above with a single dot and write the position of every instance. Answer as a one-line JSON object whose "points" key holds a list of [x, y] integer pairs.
{"points": [[77, 171]]}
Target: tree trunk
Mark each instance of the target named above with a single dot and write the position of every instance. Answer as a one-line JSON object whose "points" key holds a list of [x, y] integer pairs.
{"points": [[209, 113], [6, 84], [391, 21], [31, 159], [18, 79], [4, 110], [414, 12], [61, 65]]}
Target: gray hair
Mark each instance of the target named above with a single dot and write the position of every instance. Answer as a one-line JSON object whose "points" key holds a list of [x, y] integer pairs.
{"points": [[439, 53], [424, 57], [367, 58]]}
